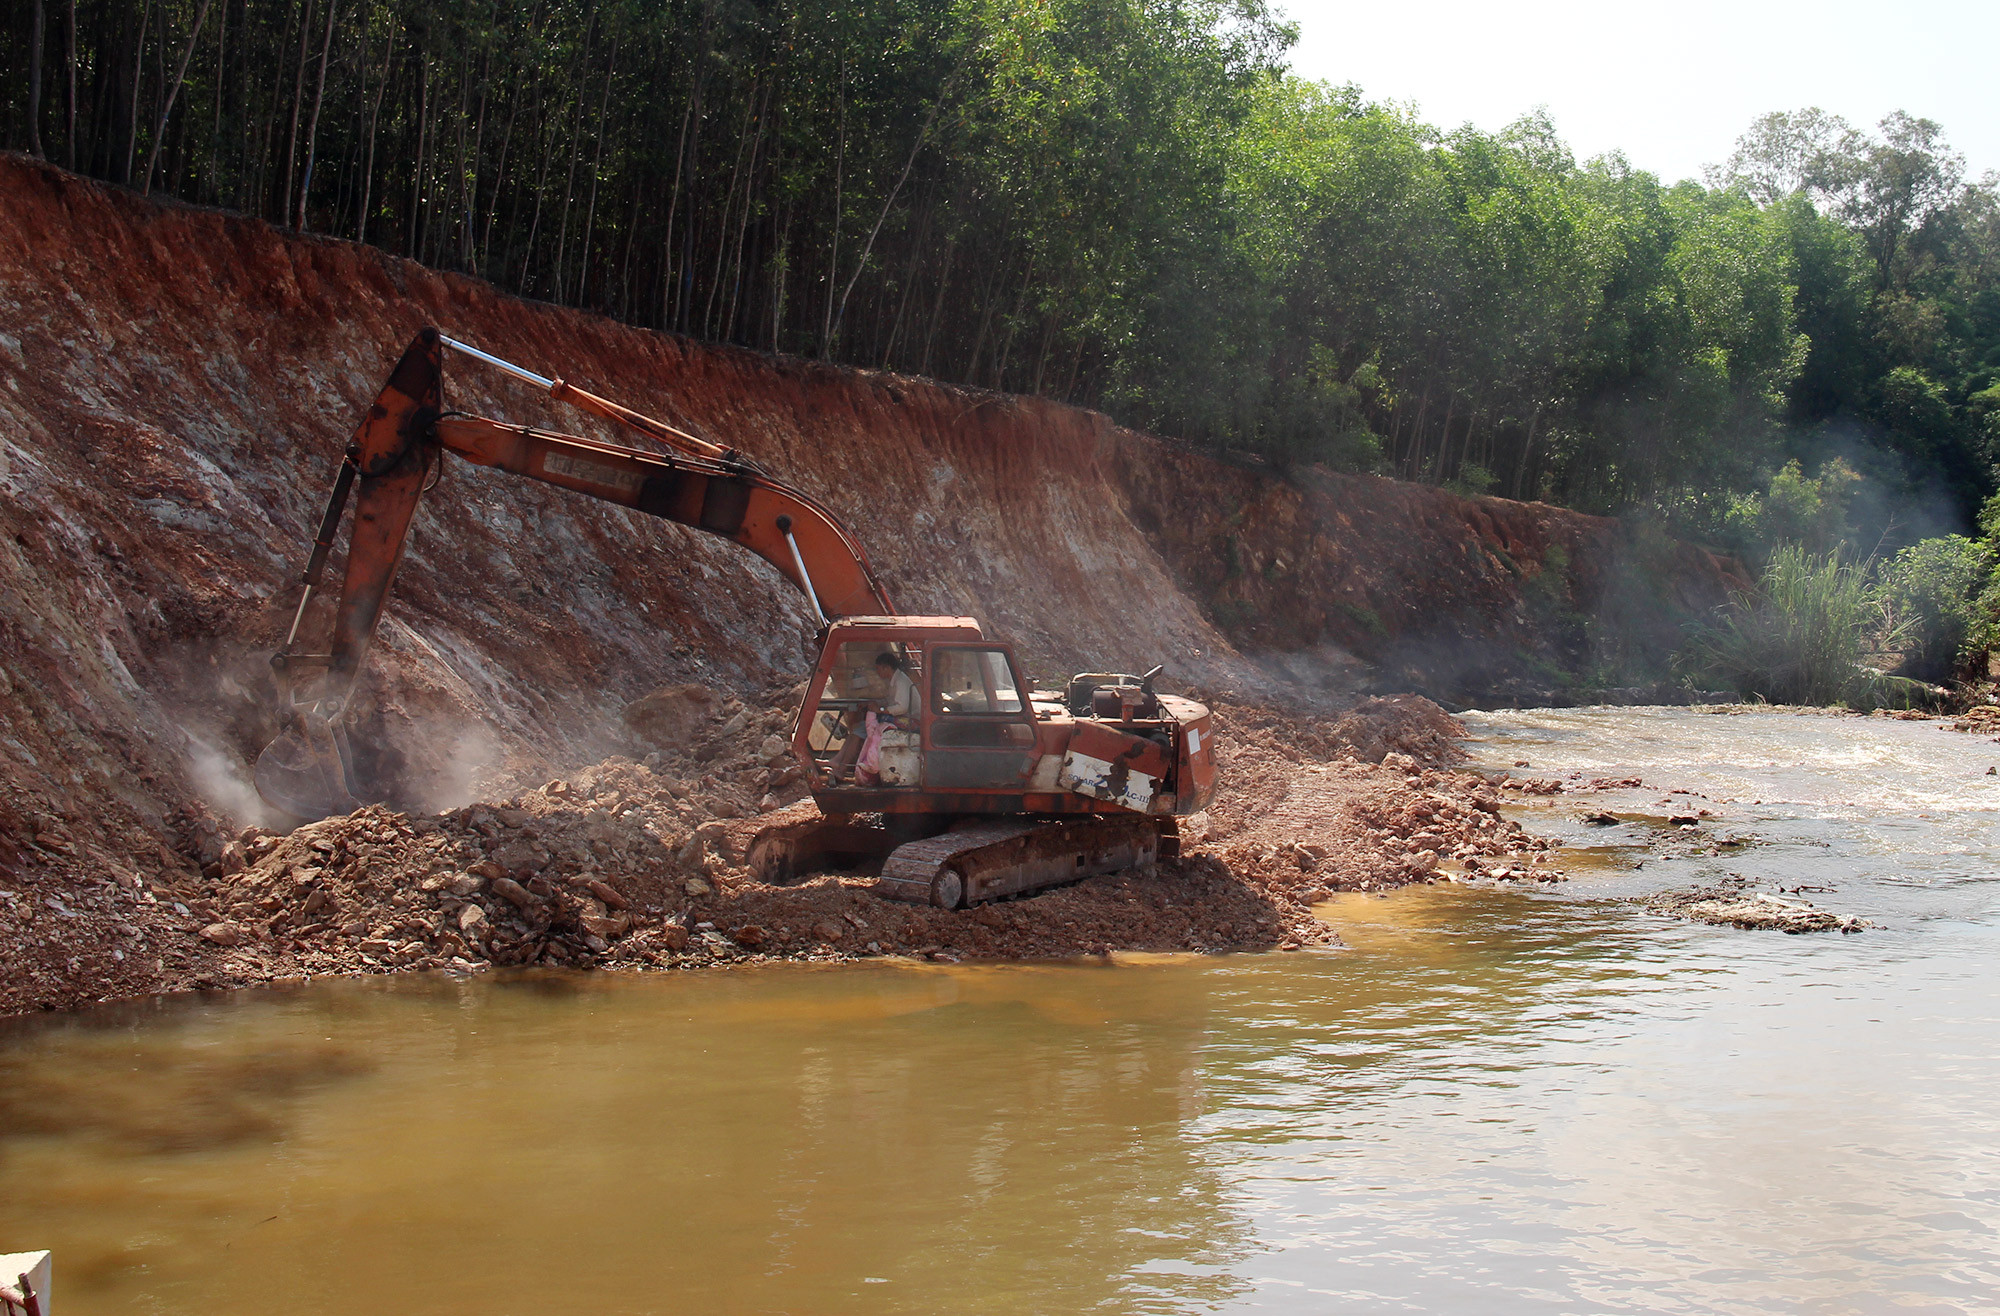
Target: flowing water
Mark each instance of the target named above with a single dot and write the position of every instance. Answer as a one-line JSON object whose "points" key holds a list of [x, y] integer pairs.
{"points": [[1495, 1100]]}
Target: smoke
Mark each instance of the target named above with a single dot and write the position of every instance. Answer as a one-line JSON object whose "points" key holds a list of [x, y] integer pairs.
{"points": [[219, 779], [472, 765], [1900, 499]]}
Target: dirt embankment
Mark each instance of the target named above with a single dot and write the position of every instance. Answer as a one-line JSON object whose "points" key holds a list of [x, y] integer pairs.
{"points": [[178, 384], [639, 865]]}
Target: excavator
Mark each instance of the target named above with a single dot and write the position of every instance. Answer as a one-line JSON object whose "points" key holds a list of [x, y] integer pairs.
{"points": [[933, 764]]}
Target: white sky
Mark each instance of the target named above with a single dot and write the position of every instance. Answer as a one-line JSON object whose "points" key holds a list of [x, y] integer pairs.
{"points": [[1673, 85]]}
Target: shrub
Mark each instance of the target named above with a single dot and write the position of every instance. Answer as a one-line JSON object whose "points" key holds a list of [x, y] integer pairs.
{"points": [[1929, 590], [1800, 637], [1796, 509]]}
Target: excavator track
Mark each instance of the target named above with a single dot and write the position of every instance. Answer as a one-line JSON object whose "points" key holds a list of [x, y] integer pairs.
{"points": [[988, 860]]}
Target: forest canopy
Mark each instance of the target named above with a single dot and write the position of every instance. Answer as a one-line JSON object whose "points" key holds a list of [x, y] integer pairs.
{"points": [[1127, 204]]}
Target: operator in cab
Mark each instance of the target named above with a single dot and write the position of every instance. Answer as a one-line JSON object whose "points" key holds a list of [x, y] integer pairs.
{"points": [[902, 702], [900, 707]]}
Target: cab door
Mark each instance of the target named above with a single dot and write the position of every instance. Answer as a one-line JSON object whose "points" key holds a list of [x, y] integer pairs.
{"points": [[978, 728]]}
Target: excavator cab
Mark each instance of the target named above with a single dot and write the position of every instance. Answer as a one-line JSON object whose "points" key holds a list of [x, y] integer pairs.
{"points": [[971, 727]]}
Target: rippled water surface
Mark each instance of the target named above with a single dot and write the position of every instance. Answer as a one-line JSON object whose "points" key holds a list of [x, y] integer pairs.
{"points": [[1495, 1100]]}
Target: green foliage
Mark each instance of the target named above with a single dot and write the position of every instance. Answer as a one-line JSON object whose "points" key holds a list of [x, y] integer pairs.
{"points": [[1799, 638], [1472, 481], [1795, 509], [1121, 203], [1989, 517], [1930, 589], [1366, 618]]}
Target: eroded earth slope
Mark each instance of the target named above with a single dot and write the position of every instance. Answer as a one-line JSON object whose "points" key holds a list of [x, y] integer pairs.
{"points": [[178, 384]]}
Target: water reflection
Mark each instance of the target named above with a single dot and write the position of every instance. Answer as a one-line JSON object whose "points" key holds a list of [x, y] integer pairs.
{"points": [[1492, 1101], [790, 1141]]}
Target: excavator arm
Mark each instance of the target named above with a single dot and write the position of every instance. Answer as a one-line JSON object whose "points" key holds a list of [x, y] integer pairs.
{"points": [[394, 458]]}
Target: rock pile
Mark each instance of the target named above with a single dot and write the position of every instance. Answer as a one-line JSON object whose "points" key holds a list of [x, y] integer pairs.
{"points": [[638, 863], [1732, 905], [1981, 720]]}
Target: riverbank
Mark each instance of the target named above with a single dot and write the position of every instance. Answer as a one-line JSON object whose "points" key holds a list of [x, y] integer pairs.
{"points": [[1491, 1085], [638, 865], [219, 363]]}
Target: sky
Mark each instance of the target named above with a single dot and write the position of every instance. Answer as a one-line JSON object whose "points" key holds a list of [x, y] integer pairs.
{"points": [[1673, 86]]}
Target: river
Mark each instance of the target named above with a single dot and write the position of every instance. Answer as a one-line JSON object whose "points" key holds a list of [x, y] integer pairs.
{"points": [[1495, 1099]]}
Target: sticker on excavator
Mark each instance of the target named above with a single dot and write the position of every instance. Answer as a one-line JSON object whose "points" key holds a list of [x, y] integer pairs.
{"points": [[1110, 765], [597, 473]]}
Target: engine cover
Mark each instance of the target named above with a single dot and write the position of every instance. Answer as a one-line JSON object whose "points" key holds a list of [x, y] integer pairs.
{"points": [[1107, 764]]}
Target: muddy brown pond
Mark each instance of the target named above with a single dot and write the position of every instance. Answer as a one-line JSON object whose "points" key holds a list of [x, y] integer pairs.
{"points": [[1493, 1100]]}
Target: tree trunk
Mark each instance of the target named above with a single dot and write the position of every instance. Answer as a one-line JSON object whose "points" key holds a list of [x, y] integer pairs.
{"points": [[596, 176], [374, 121], [922, 135], [668, 299], [35, 40], [986, 320], [909, 282], [722, 224], [1444, 437], [541, 188], [215, 131], [138, 71], [312, 129], [575, 136], [298, 104], [937, 306], [468, 242], [167, 102], [743, 218], [499, 183], [780, 279], [1413, 457], [1521, 485], [833, 255], [69, 53], [413, 223], [674, 295]]}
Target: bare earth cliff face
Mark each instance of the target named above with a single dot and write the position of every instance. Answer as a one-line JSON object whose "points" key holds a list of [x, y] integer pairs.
{"points": [[178, 385]]}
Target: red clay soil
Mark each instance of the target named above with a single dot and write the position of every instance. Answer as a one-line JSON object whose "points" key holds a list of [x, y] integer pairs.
{"points": [[179, 383], [638, 865]]}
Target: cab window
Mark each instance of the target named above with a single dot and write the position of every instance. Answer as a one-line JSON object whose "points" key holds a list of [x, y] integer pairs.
{"points": [[854, 685], [974, 681]]}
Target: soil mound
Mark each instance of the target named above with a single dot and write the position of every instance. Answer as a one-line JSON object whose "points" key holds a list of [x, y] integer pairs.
{"points": [[639, 864], [180, 386]]}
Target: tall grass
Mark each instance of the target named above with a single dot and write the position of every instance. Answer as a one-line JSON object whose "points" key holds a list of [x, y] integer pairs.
{"points": [[1801, 636]]}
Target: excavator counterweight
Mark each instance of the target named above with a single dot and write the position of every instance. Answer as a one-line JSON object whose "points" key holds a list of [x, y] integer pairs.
{"points": [[933, 763]]}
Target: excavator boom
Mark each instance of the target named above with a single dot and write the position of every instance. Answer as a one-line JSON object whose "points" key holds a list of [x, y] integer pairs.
{"points": [[934, 762], [395, 456]]}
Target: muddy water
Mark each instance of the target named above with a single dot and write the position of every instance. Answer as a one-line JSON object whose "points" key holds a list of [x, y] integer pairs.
{"points": [[1495, 1100]]}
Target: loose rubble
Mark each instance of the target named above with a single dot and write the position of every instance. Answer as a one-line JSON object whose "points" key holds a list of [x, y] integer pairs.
{"points": [[1730, 904], [1981, 720], [638, 863]]}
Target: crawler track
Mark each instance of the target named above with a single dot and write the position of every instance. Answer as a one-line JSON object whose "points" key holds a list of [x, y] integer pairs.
{"points": [[986, 861]]}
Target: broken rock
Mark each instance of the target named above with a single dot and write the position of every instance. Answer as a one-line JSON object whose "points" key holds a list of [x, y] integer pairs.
{"points": [[669, 718], [514, 893], [608, 894]]}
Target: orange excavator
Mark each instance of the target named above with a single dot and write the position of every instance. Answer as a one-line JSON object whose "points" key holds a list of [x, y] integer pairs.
{"points": [[932, 762]]}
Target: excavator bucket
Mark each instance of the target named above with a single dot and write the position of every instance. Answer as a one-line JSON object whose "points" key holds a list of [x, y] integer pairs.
{"points": [[307, 770]]}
